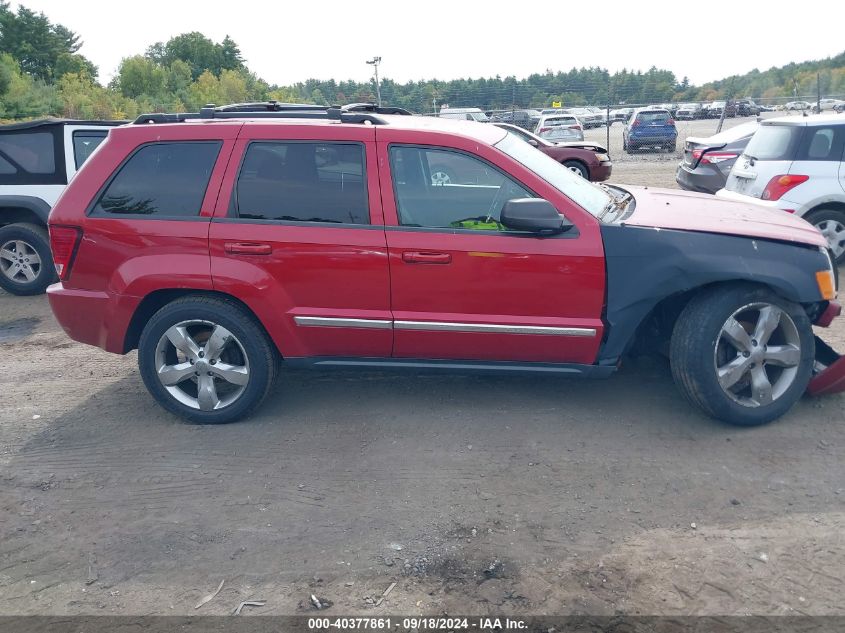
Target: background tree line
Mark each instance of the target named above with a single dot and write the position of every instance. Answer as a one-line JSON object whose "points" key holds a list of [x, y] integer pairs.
{"points": [[43, 74]]}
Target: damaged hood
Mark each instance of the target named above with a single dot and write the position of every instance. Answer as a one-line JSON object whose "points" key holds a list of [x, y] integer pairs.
{"points": [[688, 211]]}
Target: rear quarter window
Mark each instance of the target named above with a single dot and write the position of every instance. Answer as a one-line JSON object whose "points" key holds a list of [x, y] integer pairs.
{"points": [[160, 180], [822, 143]]}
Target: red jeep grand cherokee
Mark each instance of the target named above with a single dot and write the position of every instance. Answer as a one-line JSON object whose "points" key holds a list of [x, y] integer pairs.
{"points": [[220, 242]]}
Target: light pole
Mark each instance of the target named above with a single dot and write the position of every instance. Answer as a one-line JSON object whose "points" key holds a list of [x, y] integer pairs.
{"points": [[375, 61]]}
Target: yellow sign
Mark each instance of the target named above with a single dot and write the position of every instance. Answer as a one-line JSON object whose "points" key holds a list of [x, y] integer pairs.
{"points": [[556, 104]]}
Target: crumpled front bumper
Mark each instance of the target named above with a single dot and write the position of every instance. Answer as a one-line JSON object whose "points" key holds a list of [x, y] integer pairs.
{"points": [[829, 371]]}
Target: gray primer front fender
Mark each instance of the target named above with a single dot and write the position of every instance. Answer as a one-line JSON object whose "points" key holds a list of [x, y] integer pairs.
{"points": [[646, 265]]}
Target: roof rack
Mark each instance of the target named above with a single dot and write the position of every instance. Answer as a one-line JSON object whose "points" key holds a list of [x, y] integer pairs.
{"points": [[351, 113]]}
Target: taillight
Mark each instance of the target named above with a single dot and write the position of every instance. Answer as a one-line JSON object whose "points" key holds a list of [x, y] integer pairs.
{"points": [[636, 123], [712, 157], [64, 241], [671, 122], [544, 129], [575, 127], [779, 185]]}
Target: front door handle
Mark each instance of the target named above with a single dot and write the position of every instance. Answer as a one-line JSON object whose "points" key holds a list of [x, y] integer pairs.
{"points": [[247, 248], [416, 257]]}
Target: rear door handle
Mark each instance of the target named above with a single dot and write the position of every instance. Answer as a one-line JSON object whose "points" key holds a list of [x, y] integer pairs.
{"points": [[247, 248], [416, 257]]}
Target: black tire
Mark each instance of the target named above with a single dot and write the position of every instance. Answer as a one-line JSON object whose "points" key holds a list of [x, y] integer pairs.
{"points": [[578, 167], [254, 344], [36, 238], [671, 147], [822, 219], [695, 345]]}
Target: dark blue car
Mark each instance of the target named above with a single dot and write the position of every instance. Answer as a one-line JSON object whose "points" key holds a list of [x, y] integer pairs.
{"points": [[649, 127]]}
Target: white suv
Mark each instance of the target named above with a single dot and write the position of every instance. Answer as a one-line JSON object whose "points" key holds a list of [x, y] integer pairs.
{"points": [[796, 165]]}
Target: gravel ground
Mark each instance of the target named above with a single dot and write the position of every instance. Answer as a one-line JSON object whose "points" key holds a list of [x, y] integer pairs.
{"points": [[517, 495]]}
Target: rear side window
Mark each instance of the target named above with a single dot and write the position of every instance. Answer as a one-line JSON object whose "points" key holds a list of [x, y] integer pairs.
{"points": [[84, 143], [773, 142], [34, 152], [161, 179], [303, 182], [822, 143]]}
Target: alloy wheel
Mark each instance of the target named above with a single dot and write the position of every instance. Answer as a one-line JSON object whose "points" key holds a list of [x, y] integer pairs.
{"points": [[202, 365], [834, 233], [19, 261], [757, 354]]}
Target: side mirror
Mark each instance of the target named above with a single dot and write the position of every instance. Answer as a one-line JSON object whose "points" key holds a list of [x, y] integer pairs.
{"points": [[534, 215], [533, 142]]}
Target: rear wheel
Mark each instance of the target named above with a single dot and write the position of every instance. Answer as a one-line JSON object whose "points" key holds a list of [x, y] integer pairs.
{"points": [[578, 168], [26, 264], [742, 354], [206, 359], [831, 223]]}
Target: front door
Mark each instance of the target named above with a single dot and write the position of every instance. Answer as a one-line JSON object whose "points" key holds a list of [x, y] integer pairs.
{"points": [[465, 288]]}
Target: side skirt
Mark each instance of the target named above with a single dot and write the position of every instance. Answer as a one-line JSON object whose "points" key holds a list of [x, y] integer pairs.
{"points": [[453, 366]]}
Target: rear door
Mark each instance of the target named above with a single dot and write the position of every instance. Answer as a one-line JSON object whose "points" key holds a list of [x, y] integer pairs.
{"points": [[298, 235], [463, 287]]}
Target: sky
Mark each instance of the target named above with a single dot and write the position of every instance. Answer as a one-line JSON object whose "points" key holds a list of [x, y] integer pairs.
{"points": [[286, 42]]}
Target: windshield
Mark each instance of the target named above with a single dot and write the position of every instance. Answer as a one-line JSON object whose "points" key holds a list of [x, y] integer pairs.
{"points": [[479, 116], [584, 193]]}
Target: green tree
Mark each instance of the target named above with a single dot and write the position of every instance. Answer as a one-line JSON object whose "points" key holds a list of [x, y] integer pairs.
{"points": [[38, 44], [199, 52]]}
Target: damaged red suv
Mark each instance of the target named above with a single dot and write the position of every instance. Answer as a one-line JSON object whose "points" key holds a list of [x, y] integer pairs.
{"points": [[225, 244]]}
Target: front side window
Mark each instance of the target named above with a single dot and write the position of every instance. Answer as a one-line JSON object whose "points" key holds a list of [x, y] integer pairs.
{"points": [[439, 188], [590, 197], [161, 179], [84, 144], [303, 182]]}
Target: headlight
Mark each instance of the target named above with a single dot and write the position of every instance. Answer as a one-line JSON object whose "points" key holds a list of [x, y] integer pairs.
{"points": [[602, 158]]}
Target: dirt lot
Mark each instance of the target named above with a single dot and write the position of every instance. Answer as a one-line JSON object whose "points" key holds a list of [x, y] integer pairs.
{"points": [[517, 495]]}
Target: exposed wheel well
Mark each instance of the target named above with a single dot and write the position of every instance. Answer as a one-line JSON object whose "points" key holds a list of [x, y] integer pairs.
{"points": [[13, 215], [655, 330], [159, 298]]}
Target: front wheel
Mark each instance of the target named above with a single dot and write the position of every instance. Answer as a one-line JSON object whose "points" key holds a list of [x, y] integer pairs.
{"points": [[26, 264], [578, 168], [742, 354], [831, 223], [206, 359]]}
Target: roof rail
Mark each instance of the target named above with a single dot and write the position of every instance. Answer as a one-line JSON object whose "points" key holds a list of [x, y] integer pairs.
{"points": [[352, 113]]}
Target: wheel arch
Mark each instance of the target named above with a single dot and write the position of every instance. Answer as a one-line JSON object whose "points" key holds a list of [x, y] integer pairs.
{"points": [[653, 274], [14, 209], [157, 299], [580, 162]]}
